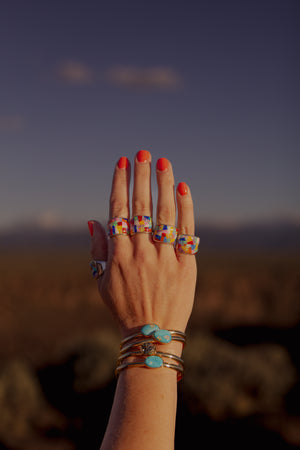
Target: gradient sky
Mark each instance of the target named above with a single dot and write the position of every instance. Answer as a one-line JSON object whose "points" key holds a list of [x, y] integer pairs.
{"points": [[212, 85]]}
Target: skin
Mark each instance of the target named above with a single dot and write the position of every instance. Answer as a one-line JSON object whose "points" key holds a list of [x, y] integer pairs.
{"points": [[146, 282]]}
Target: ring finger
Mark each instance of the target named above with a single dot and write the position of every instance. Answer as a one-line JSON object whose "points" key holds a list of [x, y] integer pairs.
{"points": [[185, 224], [166, 209]]}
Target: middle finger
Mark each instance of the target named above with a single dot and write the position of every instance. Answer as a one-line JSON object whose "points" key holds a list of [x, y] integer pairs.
{"points": [[141, 197]]}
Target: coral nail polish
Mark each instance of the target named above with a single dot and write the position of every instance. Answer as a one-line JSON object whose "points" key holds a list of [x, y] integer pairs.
{"points": [[182, 188], [91, 227], [162, 164], [123, 162], [143, 156]]}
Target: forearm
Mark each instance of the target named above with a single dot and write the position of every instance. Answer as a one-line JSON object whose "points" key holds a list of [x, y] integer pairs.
{"points": [[144, 410]]}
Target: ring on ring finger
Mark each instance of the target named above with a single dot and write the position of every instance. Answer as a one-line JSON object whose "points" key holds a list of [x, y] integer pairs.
{"points": [[165, 234]]}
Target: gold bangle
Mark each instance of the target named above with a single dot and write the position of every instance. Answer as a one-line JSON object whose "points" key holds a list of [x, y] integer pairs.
{"points": [[172, 332], [141, 353], [179, 369], [145, 341], [148, 331]]}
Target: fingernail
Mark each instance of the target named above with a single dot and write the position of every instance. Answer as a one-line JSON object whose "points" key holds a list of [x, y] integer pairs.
{"points": [[162, 164], [143, 156], [182, 188], [91, 227], [123, 162]]}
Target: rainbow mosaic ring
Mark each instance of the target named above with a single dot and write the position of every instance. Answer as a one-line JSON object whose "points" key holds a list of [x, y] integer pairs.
{"points": [[141, 224], [187, 244], [118, 226], [165, 234]]}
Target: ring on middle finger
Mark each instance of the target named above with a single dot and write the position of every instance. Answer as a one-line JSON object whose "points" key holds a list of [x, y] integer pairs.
{"points": [[140, 224], [166, 234]]}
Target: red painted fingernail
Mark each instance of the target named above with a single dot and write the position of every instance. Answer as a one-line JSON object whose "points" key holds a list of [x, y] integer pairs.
{"points": [[162, 164], [91, 227], [123, 162], [143, 156], [182, 188]]}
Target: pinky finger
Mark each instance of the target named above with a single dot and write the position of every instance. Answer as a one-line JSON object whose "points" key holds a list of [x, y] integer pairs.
{"points": [[186, 222]]}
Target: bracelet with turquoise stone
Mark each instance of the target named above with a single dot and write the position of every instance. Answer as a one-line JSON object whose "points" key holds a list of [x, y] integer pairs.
{"points": [[159, 335], [152, 362], [149, 335]]}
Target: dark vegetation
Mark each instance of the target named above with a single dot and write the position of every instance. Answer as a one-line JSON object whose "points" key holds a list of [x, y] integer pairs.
{"points": [[59, 345]]}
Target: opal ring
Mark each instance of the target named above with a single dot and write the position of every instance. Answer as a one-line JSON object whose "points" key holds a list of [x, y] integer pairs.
{"points": [[118, 226], [140, 224], [188, 244], [97, 268], [165, 234]]}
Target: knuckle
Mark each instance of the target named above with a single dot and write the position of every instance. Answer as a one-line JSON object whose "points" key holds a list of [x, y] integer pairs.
{"points": [[165, 214], [120, 253], [141, 206], [117, 206], [141, 256], [184, 229]]}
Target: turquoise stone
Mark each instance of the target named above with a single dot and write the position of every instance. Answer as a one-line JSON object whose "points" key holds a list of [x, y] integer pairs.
{"points": [[163, 336], [154, 362], [148, 329]]}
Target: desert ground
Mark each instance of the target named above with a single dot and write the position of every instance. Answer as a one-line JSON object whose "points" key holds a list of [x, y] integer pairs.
{"points": [[58, 347]]}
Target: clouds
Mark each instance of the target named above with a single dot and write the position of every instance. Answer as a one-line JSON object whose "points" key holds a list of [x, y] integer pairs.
{"points": [[75, 72], [161, 78]]}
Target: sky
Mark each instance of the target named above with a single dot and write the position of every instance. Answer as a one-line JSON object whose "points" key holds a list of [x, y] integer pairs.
{"points": [[211, 85]]}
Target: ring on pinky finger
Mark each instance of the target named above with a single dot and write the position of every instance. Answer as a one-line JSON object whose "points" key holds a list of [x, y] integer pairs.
{"points": [[188, 244]]}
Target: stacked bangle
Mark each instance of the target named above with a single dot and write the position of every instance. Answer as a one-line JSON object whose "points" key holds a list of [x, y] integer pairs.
{"points": [[142, 345]]}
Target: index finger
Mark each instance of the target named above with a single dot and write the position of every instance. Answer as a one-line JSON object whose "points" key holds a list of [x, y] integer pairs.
{"points": [[119, 197]]}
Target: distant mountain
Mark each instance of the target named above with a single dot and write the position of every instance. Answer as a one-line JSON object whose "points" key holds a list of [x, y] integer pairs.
{"points": [[268, 236], [41, 238], [277, 236]]}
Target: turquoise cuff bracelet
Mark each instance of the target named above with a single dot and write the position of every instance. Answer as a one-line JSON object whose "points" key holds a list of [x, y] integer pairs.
{"points": [[152, 362], [142, 347], [154, 331]]}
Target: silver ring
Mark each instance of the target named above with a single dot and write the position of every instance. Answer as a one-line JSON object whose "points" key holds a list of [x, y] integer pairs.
{"points": [[97, 268]]}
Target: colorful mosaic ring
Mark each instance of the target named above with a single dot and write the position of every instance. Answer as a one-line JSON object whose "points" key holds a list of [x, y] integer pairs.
{"points": [[165, 234], [187, 244], [118, 226], [141, 224]]}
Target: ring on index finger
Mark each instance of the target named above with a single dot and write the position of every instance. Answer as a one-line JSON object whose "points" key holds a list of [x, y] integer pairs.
{"points": [[118, 226]]}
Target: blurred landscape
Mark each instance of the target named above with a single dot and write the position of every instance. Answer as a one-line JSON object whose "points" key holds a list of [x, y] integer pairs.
{"points": [[59, 344]]}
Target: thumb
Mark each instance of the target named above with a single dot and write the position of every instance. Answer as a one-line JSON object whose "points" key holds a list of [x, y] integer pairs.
{"points": [[99, 244]]}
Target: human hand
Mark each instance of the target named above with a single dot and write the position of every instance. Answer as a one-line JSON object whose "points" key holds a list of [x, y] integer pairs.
{"points": [[146, 281]]}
